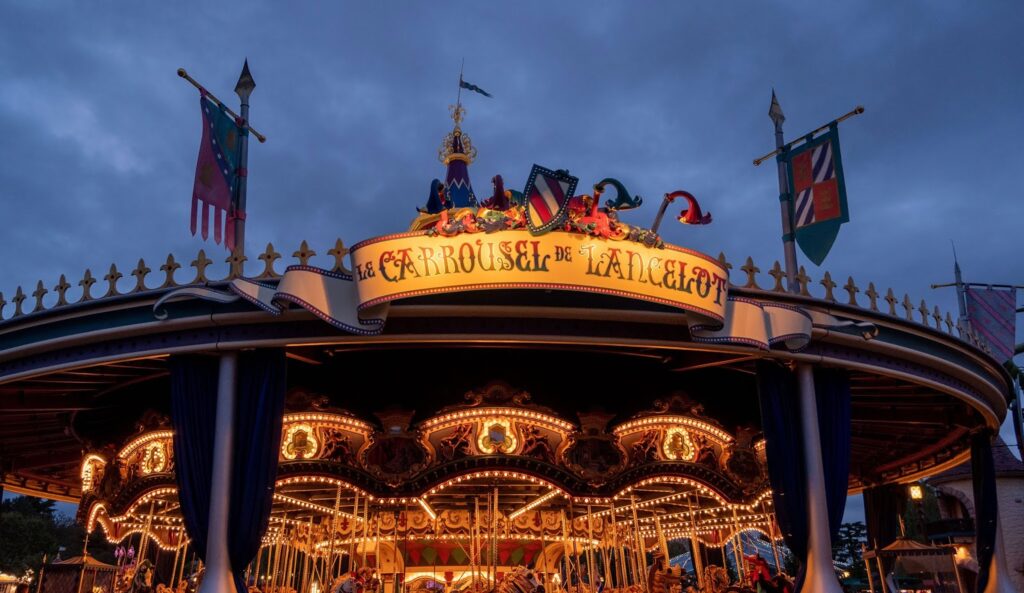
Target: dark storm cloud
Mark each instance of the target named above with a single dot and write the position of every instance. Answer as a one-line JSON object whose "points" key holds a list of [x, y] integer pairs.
{"points": [[100, 137]]}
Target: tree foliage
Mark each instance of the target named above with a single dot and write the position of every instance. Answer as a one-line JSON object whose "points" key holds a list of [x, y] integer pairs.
{"points": [[31, 527], [846, 548]]}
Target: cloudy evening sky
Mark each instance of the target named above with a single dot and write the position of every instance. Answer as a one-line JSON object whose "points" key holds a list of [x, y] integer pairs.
{"points": [[99, 136]]}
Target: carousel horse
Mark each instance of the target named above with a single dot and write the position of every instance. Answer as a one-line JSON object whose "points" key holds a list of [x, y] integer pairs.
{"points": [[663, 577], [143, 579], [716, 580], [519, 580]]}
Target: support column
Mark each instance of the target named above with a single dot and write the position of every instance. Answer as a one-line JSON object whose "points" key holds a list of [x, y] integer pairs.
{"points": [[218, 577], [820, 576], [999, 576]]}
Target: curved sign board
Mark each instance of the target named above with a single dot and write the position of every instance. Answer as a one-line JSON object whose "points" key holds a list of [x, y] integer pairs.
{"points": [[413, 264]]}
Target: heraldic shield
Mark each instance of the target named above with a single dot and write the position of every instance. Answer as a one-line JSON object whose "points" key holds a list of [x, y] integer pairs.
{"points": [[547, 196]]}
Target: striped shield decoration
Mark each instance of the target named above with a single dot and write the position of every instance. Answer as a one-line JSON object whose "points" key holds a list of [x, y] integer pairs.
{"points": [[547, 197], [818, 192], [992, 314]]}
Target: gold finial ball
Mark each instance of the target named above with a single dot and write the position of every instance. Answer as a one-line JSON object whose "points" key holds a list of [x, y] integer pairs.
{"points": [[182, 73]]}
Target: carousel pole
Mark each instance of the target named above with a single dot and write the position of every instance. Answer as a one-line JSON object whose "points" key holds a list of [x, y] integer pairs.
{"points": [[394, 560], [352, 534], [307, 559], [605, 553], [494, 538], [259, 564], [279, 552], [365, 529], [641, 553], [474, 542], [184, 559], [695, 552], [174, 565], [590, 549], [331, 534], [737, 546], [575, 547], [662, 542], [772, 530], [218, 577], [565, 553], [620, 549], [820, 575]]}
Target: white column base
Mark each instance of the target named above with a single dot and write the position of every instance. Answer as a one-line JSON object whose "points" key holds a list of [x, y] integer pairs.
{"points": [[218, 577], [998, 577], [820, 574]]}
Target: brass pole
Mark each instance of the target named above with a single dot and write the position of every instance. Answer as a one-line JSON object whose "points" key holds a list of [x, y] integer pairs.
{"points": [[174, 565], [662, 542], [737, 546], [856, 111], [590, 550], [695, 552], [565, 553], [184, 559], [365, 529], [475, 544], [641, 551], [352, 534], [494, 538], [331, 534], [575, 547], [259, 564], [182, 73]]}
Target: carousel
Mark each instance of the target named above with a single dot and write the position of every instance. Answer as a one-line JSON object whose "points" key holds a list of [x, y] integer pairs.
{"points": [[494, 399]]}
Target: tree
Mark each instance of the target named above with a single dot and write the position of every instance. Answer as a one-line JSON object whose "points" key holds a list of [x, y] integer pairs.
{"points": [[30, 527], [846, 548]]}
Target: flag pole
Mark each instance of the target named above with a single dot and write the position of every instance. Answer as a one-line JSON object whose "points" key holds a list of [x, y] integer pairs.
{"points": [[458, 97], [785, 199], [856, 111], [182, 73], [243, 89]]}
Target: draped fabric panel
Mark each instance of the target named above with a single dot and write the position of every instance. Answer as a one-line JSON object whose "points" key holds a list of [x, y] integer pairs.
{"points": [[259, 407], [985, 504], [194, 417], [882, 507], [780, 420], [779, 395], [832, 388]]}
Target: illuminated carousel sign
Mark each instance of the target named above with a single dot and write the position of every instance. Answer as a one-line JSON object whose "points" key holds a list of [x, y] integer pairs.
{"points": [[399, 266]]}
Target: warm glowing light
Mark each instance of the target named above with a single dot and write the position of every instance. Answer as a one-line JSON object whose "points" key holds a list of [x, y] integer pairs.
{"points": [[535, 503], [916, 492], [154, 458], [426, 508], [91, 466], [497, 436], [299, 442], [644, 424], [453, 418], [677, 445], [131, 447]]}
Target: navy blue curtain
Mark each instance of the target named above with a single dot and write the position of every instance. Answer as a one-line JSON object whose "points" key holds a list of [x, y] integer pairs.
{"points": [[780, 421], [832, 388], [778, 392], [259, 408], [882, 505], [985, 503], [194, 416]]}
